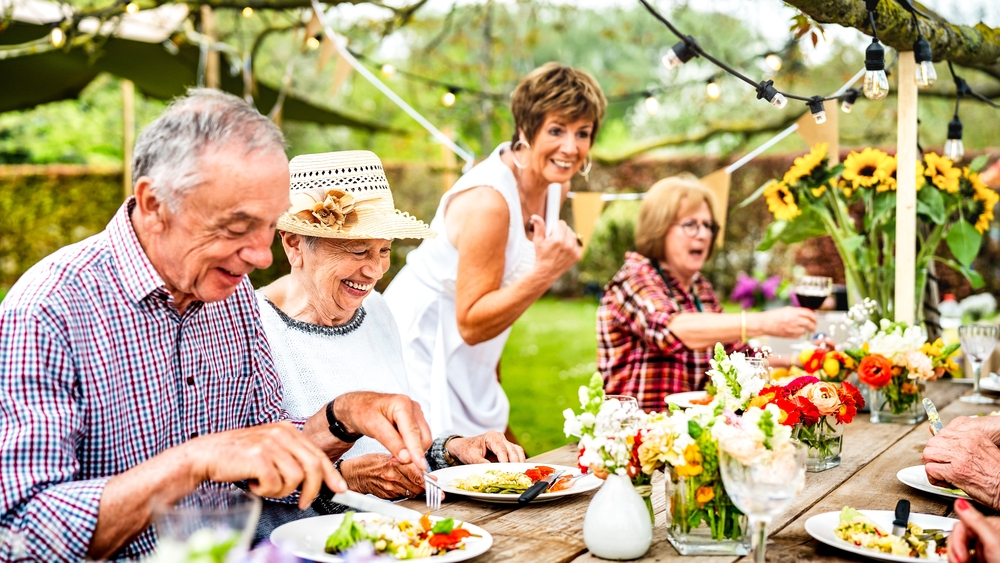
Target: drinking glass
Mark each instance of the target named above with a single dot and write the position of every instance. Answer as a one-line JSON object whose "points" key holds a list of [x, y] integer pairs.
{"points": [[213, 524], [978, 342], [761, 367], [764, 488], [625, 400], [811, 292]]}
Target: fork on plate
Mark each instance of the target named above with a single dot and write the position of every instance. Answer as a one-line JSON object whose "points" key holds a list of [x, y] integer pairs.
{"points": [[432, 491]]}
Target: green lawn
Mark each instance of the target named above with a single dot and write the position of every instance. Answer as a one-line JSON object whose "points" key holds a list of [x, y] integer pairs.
{"points": [[551, 352]]}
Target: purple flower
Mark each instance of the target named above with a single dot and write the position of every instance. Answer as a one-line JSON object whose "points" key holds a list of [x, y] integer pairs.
{"points": [[744, 290], [770, 286]]}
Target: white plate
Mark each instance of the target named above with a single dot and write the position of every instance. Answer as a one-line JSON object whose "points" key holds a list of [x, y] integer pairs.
{"points": [[916, 477], [449, 474], [822, 526], [306, 538], [683, 400]]}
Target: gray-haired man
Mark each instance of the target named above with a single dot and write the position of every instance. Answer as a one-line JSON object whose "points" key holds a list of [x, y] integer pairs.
{"points": [[133, 365]]}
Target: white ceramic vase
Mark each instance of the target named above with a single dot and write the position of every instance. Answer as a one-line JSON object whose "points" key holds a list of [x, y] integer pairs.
{"points": [[617, 523]]}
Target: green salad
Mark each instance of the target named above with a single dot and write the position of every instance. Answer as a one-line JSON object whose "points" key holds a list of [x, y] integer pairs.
{"points": [[860, 530]]}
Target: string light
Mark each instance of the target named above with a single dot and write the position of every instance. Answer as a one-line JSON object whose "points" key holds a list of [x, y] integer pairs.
{"points": [[773, 61], [712, 89], [57, 36], [247, 12], [680, 53], [388, 70], [876, 82], [312, 43], [850, 97], [767, 91], [926, 75], [131, 7], [449, 98], [953, 147], [651, 103], [817, 109]]}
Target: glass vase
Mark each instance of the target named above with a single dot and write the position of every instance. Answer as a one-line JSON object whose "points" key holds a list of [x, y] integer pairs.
{"points": [[898, 402], [824, 442], [702, 520]]}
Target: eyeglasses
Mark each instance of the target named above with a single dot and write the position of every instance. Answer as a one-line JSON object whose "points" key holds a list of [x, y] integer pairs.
{"points": [[692, 228]]}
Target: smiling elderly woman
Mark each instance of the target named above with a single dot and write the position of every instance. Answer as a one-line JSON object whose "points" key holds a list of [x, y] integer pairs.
{"points": [[659, 318], [331, 334]]}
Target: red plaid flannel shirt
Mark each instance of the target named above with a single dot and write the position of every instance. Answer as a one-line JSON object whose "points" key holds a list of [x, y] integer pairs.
{"points": [[636, 353]]}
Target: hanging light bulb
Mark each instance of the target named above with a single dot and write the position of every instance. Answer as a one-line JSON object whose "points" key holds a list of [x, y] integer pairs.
{"points": [[773, 61], [767, 91], [712, 89], [679, 54], [817, 109], [312, 43], [449, 98], [876, 82], [247, 12], [850, 97], [953, 147], [651, 103], [131, 7], [926, 75], [388, 70], [57, 36]]}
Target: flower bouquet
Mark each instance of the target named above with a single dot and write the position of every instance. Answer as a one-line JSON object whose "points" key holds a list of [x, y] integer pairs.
{"points": [[754, 293], [895, 362], [817, 411]]}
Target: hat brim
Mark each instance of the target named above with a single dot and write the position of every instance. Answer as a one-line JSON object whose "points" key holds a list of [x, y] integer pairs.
{"points": [[372, 224]]}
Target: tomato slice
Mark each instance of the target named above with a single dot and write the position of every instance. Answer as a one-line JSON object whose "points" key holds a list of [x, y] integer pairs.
{"points": [[450, 540], [545, 470], [533, 474]]}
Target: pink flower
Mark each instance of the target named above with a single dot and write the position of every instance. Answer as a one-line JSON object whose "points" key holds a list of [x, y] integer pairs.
{"points": [[822, 394]]}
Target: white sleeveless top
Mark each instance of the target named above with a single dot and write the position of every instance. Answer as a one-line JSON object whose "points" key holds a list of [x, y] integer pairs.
{"points": [[456, 384]]}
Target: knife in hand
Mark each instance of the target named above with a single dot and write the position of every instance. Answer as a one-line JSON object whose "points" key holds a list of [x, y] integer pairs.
{"points": [[538, 488], [932, 416], [902, 517]]}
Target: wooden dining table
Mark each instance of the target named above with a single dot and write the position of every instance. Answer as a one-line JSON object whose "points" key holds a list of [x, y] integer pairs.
{"points": [[865, 479]]}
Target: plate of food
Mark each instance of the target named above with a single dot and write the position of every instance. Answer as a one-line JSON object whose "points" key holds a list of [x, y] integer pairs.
{"points": [[504, 482], [867, 532], [916, 477], [689, 399], [433, 538]]}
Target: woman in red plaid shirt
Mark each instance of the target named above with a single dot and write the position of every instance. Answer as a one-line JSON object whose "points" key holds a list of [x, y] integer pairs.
{"points": [[659, 318]]}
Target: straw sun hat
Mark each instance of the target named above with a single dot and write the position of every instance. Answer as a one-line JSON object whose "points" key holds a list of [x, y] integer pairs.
{"points": [[345, 195]]}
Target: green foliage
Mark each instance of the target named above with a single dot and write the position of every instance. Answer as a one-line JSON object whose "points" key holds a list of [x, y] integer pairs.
{"points": [[964, 240], [613, 235]]}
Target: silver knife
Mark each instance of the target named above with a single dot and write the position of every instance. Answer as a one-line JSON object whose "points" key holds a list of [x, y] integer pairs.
{"points": [[932, 416], [539, 487], [371, 504], [902, 517]]}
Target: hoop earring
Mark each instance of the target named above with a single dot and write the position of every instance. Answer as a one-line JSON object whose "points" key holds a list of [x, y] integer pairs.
{"points": [[513, 153], [586, 171]]}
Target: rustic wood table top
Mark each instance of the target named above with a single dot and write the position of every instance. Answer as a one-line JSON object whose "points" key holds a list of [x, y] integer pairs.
{"points": [[866, 479]]}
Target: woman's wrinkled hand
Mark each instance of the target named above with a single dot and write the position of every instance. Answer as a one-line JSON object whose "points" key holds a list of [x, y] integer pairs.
{"points": [[485, 448], [383, 476], [963, 455], [556, 252], [974, 531], [788, 322]]}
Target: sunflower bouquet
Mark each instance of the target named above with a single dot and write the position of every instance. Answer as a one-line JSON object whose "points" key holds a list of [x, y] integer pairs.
{"points": [[855, 203]]}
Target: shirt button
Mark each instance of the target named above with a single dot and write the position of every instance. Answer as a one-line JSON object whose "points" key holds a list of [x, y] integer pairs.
{"points": [[190, 380]]}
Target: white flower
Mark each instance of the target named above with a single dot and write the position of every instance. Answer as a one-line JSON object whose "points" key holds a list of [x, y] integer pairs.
{"points": [[918, 365]]}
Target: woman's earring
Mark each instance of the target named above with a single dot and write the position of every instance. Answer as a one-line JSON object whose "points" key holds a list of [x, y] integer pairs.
{"points": [[513, 153], [586, 169]]}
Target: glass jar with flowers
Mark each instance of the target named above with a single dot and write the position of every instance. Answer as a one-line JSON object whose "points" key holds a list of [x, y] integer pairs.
{"points": [[895, 362]]}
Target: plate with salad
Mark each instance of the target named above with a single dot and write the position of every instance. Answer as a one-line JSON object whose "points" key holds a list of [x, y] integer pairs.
{"points": [[916, 477], [868, 533], [331, 538], [504, 482]]}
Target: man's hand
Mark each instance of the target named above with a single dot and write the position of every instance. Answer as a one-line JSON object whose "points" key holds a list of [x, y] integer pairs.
{"points": [[276, 458], [480, 449], [964, 456], [380, 475], [974, 531], [395, 421]]}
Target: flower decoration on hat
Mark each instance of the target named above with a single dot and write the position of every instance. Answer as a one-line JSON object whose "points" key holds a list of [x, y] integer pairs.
{"points": [[335, 211]]}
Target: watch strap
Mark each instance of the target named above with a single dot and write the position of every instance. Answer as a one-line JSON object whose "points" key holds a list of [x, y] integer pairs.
{"points": [[337, 428]]}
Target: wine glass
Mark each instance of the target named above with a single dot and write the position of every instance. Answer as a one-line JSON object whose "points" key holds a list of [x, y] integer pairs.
{"points": [[765, 487], [761, 367], [625, 400], [211, 522], [811, 292], [978, 342]]}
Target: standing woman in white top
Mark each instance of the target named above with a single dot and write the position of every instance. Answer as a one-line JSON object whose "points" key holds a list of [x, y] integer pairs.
{"points": [[459, 294]]}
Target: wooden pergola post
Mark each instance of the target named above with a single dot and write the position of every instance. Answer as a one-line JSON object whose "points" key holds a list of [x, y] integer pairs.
{"points": [[906, 190], [128, 135]]}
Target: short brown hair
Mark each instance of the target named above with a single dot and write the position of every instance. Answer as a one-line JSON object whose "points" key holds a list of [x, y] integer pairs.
{"points": [[664, 202], [553, 87]]}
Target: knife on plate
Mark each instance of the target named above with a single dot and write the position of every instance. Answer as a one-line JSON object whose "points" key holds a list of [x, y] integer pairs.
{"points": [[902, 517], [539, 487], [368, 503], [932, 416]]}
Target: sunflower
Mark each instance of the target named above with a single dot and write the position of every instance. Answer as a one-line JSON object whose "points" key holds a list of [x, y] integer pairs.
{"points": [[845, 186], [866, 168], [781, 202], [942, 172], [984, 200], [888, 183], [817, 192], [806, 164]]}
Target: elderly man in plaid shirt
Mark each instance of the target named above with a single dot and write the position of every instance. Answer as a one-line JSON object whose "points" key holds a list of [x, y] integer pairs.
{"points": [[134, 367]]}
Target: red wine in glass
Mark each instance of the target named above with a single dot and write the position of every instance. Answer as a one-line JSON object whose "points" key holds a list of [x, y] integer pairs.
{"points": [[811, 300]]}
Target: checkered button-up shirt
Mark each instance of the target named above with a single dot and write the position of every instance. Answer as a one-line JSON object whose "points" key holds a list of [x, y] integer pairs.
{"points": [[636, 353], [98, 373]]}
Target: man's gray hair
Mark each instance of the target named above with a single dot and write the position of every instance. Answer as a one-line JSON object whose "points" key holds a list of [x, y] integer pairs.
{"points": [[170, 148]]}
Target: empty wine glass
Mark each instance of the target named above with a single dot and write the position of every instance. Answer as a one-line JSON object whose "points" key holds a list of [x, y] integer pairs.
{"points": [[625, 400], [210, 524], [761, 367], [978, 342], [764, 488]]}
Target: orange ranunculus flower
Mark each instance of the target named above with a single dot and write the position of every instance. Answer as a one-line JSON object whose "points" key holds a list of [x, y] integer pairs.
{"points": [[875, 370], [704, 495], [693, 457]]}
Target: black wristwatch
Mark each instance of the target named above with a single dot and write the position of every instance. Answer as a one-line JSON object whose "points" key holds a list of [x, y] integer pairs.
{"points": [[337, 428]]}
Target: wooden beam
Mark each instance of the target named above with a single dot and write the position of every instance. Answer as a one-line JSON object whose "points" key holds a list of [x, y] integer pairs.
{"points": [[906, 189], [128, 135]]}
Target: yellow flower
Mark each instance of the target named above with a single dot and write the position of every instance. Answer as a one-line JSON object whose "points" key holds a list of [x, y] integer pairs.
{"points": [[888, 183], [693, 459], [932, 350], [817, 192], [831, 366], [781, 202], [866, 168], [987, 198], [942, 172], [704, 495], [806, 164]]}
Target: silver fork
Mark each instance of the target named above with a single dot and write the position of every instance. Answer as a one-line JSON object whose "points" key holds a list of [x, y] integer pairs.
{"points": [[432, 491]]}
